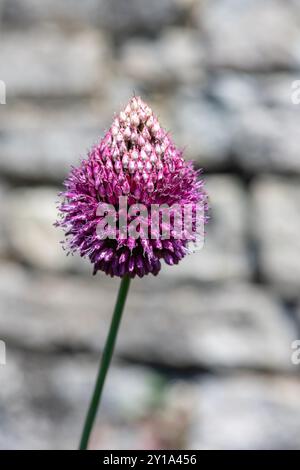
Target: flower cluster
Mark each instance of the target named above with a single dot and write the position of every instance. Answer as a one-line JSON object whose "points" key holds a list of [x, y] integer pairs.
{"points": [[136, 158]]}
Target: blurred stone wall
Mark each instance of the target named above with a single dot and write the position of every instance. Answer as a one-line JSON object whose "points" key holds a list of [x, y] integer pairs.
{"points": [[204, 354]]}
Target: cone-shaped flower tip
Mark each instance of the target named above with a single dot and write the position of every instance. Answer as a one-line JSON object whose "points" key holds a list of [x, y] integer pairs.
{"points": [[136, 158]]}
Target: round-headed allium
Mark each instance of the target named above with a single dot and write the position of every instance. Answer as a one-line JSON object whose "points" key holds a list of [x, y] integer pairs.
{"points": [[136, 160]]}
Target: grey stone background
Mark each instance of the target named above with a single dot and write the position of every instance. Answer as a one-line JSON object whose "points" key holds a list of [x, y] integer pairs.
{"points": [[204, 354]]}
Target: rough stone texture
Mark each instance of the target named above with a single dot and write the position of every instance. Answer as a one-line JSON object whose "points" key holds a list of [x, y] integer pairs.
{"points": [[236, 92], [31, 236], [47, 62], [42, 146], [143, 59], [3, 236], [239, 92], [1, 10], [251, 35], [41, 395], [246, 412], [203, 359], [124, 18], [200, 127], [280, 90], [68, 13], [224, 255], [139, 16], [236, 326], [233, 326], [265, 140], [276, 219]]}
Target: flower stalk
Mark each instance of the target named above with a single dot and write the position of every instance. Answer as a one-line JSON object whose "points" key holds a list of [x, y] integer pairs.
{"points": [[137, 160], [105, 362]]}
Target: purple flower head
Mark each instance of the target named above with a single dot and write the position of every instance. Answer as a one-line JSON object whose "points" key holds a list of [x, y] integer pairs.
{"points": [[136, 160]]}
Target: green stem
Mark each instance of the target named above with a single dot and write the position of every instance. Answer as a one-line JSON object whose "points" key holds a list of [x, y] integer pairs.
{"points": [[105, 362]]}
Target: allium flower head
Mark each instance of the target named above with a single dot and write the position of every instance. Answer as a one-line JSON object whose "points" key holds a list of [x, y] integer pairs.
{"points": [[136, 158]]}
